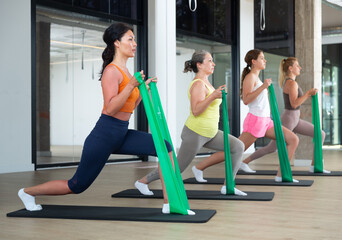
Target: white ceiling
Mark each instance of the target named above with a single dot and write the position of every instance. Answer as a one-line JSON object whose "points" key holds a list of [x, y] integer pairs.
{"points": [[331, 16], [67, 29]]}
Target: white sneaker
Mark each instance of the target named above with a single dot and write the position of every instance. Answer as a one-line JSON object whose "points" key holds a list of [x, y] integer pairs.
{"points": [[143, 188], [312, 170], [244, 167], [166, 209], [198, 174], [236, 191], [279, 179]]}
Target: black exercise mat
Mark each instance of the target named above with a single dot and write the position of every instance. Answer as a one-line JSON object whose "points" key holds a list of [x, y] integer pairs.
{"points": [[199, 194], [262, 182], [113, 213], [294, 173]]}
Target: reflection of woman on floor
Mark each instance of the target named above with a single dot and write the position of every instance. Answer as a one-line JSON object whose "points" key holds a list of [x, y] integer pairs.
{"points": [[111, 134], [254, 93], [201, 127], [293, 97]]}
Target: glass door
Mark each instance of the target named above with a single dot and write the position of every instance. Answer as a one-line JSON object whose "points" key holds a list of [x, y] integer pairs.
{"points": [[331, 114], [186, 46], [69, 98]]}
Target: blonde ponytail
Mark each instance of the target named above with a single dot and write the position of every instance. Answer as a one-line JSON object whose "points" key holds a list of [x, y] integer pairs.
{"points": [[284, 68]]}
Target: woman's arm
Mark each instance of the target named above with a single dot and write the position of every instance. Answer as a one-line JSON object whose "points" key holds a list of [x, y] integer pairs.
{"points": [[296, 101], [248, 95], [110, 81], [154, 79], [198, 100]]}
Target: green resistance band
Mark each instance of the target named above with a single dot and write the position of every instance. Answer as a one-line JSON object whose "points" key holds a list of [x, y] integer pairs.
{"points": [[230, 183], [172, 187], [318, 164], [285, 167], [158, 109]]}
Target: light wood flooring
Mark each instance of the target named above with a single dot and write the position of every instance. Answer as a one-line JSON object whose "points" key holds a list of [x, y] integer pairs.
{"points": [[295, 213]]}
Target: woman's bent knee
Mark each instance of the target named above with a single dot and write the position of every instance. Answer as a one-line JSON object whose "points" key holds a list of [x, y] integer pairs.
{"points": [[77, 188]]}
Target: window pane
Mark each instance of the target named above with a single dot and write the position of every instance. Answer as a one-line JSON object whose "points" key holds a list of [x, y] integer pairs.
{"points": [[331, 93], [69, 94], [278, 35], [211, 19]]}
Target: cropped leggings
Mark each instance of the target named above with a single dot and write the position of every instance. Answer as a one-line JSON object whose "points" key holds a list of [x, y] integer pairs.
{"points": [[109, 136], [193, 142], [289, 119]]}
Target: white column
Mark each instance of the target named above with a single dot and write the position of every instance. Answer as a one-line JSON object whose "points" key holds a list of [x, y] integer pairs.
{"points": [[246, 44], [15, 88], [308, 47], [162, 56]]}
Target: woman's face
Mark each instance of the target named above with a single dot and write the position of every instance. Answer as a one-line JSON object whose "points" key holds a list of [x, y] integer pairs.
{"points": [[295, 68], [127, 45], [260, 62], [208, 65]]}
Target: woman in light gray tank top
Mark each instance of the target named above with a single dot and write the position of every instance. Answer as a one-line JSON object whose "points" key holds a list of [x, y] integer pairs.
{"points": [[293, 97]]}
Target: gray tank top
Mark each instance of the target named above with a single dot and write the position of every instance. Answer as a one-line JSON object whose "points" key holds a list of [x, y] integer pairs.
{"points": [[287, 99]]}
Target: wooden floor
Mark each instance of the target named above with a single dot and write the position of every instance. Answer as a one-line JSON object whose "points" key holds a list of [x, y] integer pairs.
{"points": [[295, 213]]}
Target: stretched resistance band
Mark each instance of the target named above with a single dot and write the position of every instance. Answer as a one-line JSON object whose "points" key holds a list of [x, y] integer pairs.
{"points": [[230, 183], [285, 167], [158, 109], [318, 164], [178, 204]]}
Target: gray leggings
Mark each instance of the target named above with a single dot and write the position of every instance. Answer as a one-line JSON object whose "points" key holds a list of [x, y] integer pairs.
{"points": [[289, 119], [193, 142]]}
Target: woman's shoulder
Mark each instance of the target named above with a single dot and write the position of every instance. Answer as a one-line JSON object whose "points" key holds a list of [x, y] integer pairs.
{"points": [[291, 84], [112, 72], [251, 78]]}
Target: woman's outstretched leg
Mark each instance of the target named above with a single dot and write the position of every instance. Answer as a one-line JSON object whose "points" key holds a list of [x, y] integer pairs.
{"points": [[27, 195]]}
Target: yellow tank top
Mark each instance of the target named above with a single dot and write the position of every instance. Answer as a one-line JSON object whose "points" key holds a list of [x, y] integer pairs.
{"points": [[205, 124]]}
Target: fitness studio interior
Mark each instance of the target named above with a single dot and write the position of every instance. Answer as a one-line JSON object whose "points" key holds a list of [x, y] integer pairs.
{"points": [[52, 96]]}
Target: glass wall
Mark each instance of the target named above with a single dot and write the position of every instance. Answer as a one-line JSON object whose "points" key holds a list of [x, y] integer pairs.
{"points": [[274, 34], [69, 98], [331, 93], [221, 53], [208, 28], [274, 26]]}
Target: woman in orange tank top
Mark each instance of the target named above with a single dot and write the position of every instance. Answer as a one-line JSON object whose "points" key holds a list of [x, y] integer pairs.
{"points": [[111, 134]]}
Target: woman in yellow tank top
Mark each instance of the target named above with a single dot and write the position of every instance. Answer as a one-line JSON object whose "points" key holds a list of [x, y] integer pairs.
{"points": [[201, 127]]}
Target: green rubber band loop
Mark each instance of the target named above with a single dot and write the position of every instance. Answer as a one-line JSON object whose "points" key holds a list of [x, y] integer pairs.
{"points": [[317, 140], [230, 183], [285, 167], [158, 109], [176, 198]]}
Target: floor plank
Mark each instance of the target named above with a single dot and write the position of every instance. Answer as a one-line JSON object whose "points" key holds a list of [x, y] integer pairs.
{"points": [[295, 213]]}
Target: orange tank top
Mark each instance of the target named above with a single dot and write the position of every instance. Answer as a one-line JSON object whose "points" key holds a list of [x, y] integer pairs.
{"points": [[130, 102]]}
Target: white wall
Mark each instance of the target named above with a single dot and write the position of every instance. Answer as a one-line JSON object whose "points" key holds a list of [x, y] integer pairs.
{"points": [[15, 89], [162, 56], [76, 100], [246, 44], [183, 83]]}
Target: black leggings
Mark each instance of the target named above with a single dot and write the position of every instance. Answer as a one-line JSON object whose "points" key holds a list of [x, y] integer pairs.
{"points": [[109, 136]]}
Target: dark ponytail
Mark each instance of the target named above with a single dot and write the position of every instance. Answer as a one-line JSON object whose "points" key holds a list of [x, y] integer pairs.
{"points": [[111, 34], [251, 55], [197, 57]]}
